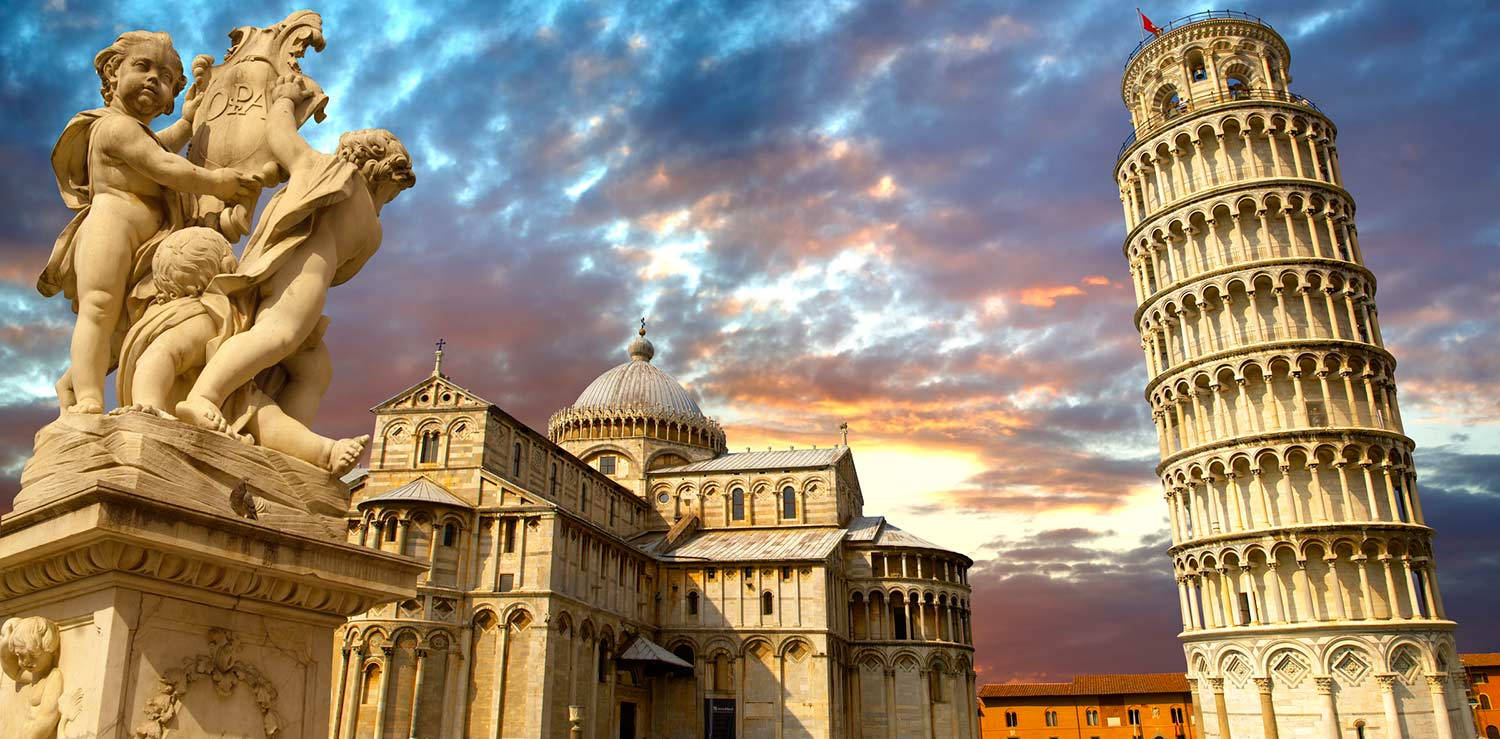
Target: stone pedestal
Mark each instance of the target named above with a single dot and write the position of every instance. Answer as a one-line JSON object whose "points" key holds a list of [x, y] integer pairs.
{"points": [[195, 582]]}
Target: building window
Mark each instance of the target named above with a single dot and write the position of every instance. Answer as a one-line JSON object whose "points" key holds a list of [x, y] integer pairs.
{"points": [[1484, 702], [898, 620], [1133, 716], [371, 689], [786, 573], [737, 505], [693, 603], [1176, 715], [603, 666], [1091, 717], [510, 535], [390, 529], [935, 686], [1481, 677], [712, 572], [583, 498], [611, 510], [767, 603], [449, 533], [515, 462], [1051, 718], [607, 464], [788, 503], [1244, 609], [1011, 720], [507, 583], [427, 448]]}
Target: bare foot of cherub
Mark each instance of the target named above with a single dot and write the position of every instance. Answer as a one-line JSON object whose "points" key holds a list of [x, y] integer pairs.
{"points": [[86, 406], [203, 414], [345, 454]]}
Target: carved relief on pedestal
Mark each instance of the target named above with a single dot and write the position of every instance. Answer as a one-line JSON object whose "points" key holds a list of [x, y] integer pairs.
{"points": [[224, 670], [38, 706]]}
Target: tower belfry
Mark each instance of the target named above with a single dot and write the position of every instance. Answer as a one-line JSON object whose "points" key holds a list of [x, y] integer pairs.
{"points": [[1305, 573]]}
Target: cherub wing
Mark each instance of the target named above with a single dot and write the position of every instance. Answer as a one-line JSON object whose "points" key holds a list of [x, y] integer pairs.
{"points": [[70, 705]]}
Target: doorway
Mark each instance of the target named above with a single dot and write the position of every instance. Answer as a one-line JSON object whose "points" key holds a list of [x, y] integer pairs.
{"points": [[627, 720], [718, 718]]}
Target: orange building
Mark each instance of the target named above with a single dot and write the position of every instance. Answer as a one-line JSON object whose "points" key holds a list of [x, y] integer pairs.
{"points": [[1484, 691], [1150, 706]]}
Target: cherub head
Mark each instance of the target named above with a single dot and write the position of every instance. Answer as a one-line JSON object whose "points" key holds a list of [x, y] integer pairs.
{"points": [[187, 260], [28, 648], [141, 73], [381, 158]]}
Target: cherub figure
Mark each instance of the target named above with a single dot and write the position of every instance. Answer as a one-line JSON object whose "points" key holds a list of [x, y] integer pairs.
{"points": [[314, 234], [124, 180], [168, 346], [28, 653]]}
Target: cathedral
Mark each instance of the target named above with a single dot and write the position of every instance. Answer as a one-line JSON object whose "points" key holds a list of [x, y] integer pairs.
{"points": [[626, 575]]}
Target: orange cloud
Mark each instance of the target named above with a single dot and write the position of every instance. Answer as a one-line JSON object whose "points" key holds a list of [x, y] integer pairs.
{"points": [[1046, 297]]}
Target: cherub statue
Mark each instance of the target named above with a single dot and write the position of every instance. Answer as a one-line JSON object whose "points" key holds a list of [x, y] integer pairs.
{"points": [[314, 234], [124, 180], [168, 346], [29, 650]]}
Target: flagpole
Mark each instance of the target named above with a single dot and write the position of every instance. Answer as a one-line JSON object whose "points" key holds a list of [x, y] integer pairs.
{"points": [[1139, 16]]}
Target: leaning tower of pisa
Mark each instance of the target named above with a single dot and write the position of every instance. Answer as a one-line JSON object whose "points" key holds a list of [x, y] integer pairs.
{"points": [[1304, 567]]}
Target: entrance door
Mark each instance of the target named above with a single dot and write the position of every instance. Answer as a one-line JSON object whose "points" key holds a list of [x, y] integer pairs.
{"points": [[718, 718], [627, 720]]}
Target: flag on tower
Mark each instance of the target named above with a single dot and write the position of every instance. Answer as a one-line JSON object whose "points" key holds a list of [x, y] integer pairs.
{"points": [[1146, 24]]}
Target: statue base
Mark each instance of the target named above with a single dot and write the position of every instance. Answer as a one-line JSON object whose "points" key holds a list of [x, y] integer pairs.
{"points": [[179, 614]]}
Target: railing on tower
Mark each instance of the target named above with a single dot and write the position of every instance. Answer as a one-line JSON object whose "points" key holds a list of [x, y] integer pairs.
{"points": [[1194, 18], [1149, 125]]}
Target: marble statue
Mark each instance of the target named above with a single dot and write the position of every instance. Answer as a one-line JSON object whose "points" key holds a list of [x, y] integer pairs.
{"points": [[315, 233], [126, 184], [231, 346], [29, 650]]}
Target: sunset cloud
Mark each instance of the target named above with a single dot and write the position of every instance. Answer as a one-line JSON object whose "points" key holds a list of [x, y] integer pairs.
{"points": [[897, 215]]}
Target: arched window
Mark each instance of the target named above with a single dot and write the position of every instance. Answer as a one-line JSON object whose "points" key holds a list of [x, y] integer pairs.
{"points": [[935, 685], [427, 448], [1051, 717], [371, 689], [390, 529], [1011, 720], [1133, 716], [1167, 103], [737, 505], [1484, 702], [684, 653], [767, 603], [693, 603], [603, 665], [450, 532], [1491, 732], [1091, 717], [515, 462], [788, 503]]}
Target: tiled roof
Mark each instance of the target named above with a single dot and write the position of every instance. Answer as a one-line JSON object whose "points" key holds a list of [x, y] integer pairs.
{"points": [[745, 545], [420, 490], [1486, 659], [1158, 682], [768, 460]]}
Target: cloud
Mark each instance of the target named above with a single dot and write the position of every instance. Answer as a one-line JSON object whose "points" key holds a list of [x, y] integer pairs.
{"points": [[888, 213]]}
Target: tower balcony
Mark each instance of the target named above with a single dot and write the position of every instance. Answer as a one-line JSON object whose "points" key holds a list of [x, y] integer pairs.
{"points": [[1203, 103], [1190, 19]]}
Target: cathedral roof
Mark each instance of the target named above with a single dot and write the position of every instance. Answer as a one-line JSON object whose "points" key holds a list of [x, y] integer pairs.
{"points": [[638, 384], [420, 490], [880, 532], [744, 545], [746, 461]]}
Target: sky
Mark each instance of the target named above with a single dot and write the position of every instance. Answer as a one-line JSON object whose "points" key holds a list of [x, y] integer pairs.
{"points": [[895, 214]]}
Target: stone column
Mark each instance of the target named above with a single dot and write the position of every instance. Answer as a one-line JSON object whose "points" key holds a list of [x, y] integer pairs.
{"points": [[1275, 587], [386, 663], [1330, 717], [1394, 729], [349, 708], [1267, 708], [1221, 707], [1197, 702], [890, 705], [416, 692], [1437, 685]]}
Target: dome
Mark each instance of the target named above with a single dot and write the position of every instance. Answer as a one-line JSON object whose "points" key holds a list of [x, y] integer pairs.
{"points": [[636, 399], [638, 385]]}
